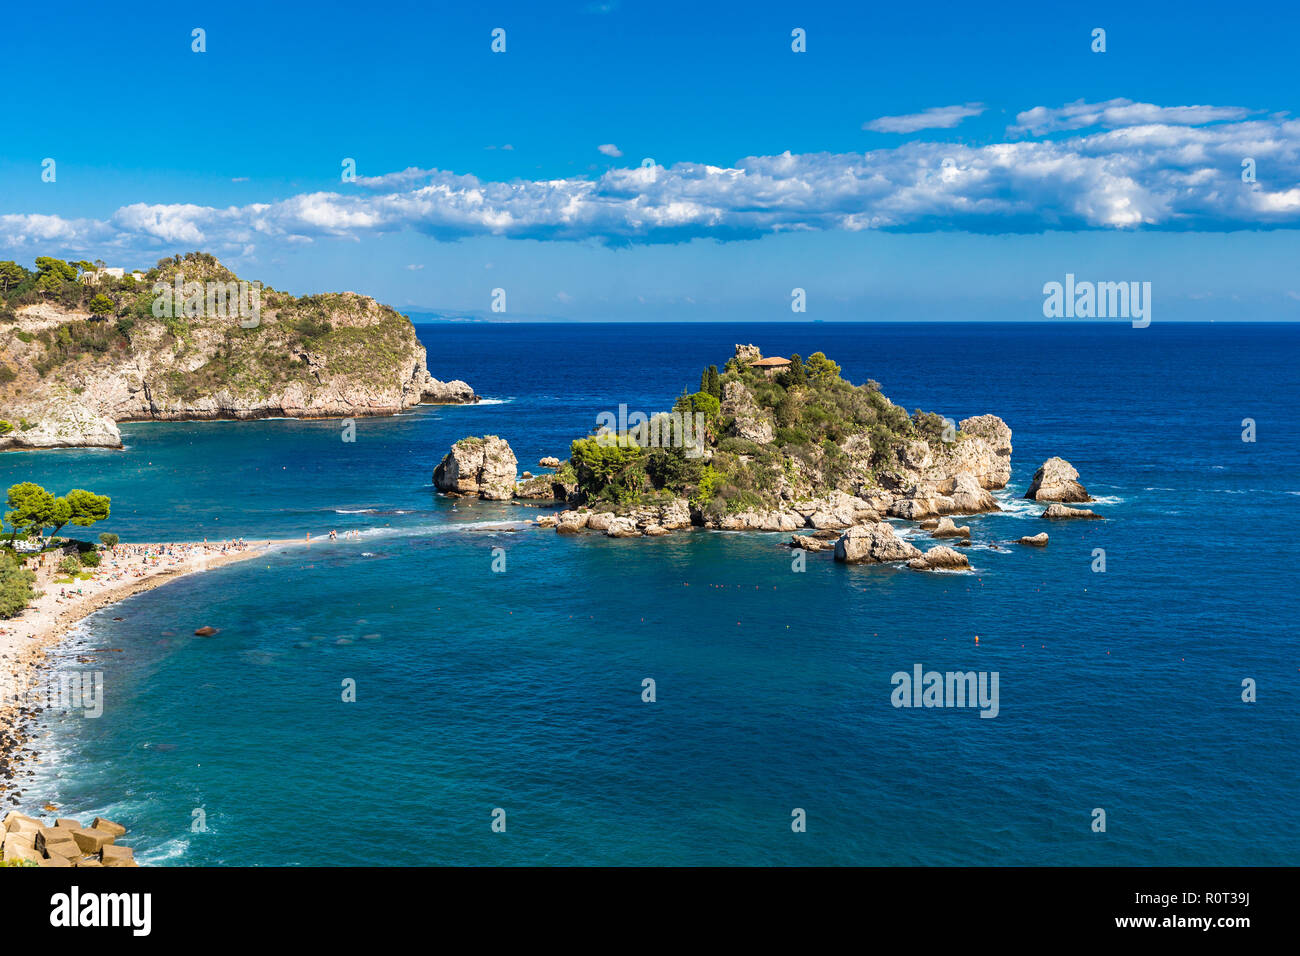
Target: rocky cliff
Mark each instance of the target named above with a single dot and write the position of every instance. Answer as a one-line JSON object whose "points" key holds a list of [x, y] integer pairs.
{"points": [[67, 376]]}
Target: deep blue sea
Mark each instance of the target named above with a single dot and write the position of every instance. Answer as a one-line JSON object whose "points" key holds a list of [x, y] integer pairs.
{"points": [[521, 689]]}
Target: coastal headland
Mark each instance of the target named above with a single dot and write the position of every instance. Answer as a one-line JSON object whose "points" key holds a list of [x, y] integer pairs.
{"points": [[188, 340]]}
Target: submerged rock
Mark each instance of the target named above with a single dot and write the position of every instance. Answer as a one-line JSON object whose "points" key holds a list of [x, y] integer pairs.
{"points": [[1056, 480]]}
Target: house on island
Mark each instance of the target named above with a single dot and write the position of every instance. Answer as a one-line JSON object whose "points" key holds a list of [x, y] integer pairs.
{"points": [[770, 366], [91, 276]]}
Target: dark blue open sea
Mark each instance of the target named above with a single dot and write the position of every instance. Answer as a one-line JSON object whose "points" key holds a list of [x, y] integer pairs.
{"points": [[522, 690]]}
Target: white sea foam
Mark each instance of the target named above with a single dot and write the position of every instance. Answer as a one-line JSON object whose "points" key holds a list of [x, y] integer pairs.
{"points": [[1014, 507], [174, 849], [416, 531]]}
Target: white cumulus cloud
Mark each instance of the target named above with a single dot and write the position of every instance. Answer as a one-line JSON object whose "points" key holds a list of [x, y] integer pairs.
{"points": [[1168, 174]]}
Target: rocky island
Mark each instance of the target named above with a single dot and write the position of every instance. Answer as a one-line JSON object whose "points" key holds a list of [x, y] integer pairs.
{"points": [[775, 444], [84, 348]]}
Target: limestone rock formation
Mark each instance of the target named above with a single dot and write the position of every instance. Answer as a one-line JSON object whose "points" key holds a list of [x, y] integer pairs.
{"points": [[993, 462], [947, 529], [940, 558], [807, 542], [960, 494], [337, 355], [484, 466], [1061, 511], [1035, 540], [571, 522], [873, 544], [762, 521], [748, 420], [649, 519], [1056, 480], [539, 486]]}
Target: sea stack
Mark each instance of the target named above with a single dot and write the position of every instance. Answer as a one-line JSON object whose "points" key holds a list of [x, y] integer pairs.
{"points": [[1056, 480], [478, 466]]}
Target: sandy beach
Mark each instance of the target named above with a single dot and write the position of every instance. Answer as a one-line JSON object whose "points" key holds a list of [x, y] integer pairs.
{"points": [[126, 569]]}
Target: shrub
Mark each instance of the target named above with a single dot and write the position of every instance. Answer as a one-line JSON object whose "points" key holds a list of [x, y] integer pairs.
{"points": [[70, 565], [15, 590], [739, 446], [90, 559], [609, 468], [108, 539]]}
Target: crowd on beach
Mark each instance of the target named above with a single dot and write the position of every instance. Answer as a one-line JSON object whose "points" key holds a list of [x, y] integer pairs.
{"points": [[125, 562]]}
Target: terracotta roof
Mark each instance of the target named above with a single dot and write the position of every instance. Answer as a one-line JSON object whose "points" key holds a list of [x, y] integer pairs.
{"points": [[771, 362]]}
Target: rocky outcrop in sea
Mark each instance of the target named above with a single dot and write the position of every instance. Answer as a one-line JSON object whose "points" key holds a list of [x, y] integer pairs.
{"points": [[1057, 480], [925, 474], [483, 467]]}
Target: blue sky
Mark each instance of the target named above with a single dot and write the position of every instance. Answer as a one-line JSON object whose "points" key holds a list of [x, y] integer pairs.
{"points": [[942, 162]]}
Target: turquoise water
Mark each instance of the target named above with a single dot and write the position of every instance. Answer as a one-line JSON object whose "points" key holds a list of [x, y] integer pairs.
{"points": [[521, 690]]}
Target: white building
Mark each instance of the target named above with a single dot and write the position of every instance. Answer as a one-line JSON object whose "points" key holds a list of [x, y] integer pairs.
{"points": [[98, 274]]}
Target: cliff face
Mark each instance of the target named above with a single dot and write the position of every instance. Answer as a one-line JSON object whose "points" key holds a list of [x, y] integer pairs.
{"points": [[73, 377]]}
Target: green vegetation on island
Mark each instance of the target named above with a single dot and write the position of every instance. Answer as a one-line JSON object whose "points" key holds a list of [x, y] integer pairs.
{"points": [[778, 429], [249, 357]]}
